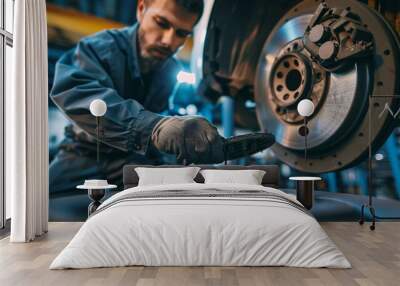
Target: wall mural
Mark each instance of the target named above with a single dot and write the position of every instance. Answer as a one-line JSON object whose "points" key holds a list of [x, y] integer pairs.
{"points": [[117, 97]]}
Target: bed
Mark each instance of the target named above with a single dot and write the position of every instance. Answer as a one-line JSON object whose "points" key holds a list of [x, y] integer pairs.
{"points": [[197, 224]]}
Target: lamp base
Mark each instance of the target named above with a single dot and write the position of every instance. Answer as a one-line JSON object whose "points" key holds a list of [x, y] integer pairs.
{"points": [[305, 193], [372, 211], [95, 195]]}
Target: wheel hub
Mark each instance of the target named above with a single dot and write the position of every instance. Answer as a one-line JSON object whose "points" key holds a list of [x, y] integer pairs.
{"points": [[327, 53], [291, 77]]}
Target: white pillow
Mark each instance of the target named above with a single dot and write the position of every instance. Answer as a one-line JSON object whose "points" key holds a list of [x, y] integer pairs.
{"points": [[248, 177], [163, 176]]}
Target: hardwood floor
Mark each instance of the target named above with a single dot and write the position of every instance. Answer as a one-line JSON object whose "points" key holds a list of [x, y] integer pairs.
{"points": [[375, 257]]}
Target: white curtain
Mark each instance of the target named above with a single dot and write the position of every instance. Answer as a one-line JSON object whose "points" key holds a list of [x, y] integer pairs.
{"points": [[26, 123]]}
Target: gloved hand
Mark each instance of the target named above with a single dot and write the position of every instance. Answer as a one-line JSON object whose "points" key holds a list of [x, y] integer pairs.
{"points": [[191, 138]]}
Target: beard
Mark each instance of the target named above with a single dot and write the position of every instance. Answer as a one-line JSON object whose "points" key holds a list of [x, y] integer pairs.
{"points": [[153, 55]]}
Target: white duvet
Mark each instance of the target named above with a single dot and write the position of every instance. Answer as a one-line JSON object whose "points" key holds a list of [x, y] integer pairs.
{"points": [[200, 231]]}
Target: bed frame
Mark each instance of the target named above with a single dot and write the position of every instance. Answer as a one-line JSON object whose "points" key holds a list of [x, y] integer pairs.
{"points": [[270, 179]]}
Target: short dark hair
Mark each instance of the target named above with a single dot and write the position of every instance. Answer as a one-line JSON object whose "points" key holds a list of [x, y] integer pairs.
{"points": [[192, 6]]}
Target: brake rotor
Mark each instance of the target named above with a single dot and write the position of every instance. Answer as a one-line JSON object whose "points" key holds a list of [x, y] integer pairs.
{"points": [[336, 53]]}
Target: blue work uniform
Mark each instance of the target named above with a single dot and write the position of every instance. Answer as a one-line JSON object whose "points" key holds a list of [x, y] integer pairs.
{"points": [[106, 66]]}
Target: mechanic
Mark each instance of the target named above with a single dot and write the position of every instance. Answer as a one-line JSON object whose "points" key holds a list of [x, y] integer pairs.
{"points": [[132, 70]]}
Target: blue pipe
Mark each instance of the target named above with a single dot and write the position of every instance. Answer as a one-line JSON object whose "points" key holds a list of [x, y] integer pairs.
{"points": [[332, 182], [393, 154], [228, 116], [228, 119]]}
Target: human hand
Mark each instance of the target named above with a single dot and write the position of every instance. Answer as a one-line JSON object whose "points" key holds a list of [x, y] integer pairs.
{"points": [[191, 138]]}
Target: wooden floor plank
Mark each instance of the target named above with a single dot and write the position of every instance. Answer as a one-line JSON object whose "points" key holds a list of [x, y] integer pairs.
{"points": [[375, 257]]}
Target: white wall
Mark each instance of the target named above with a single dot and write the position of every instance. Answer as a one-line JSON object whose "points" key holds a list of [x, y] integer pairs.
{"points": [[9, 24], [9, 62], [9, 11]]}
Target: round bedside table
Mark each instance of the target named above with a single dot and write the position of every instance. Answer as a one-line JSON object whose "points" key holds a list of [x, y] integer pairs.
{"points": [[305, 190], [96, 191]]}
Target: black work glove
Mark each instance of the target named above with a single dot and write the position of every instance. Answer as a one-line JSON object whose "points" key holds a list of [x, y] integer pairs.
{"points": [[191, 138]]}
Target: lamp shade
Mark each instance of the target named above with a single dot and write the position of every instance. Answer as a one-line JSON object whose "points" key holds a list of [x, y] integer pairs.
{"points": [[98, 107], [305, 107]]}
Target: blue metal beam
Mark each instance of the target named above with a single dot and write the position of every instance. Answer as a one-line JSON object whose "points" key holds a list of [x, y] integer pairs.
{"points": [[228, 116], [332, 182], [228, 119], [392, 150]]}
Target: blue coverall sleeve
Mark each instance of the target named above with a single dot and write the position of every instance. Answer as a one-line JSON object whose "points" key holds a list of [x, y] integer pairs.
{"points": [[90, 72]]}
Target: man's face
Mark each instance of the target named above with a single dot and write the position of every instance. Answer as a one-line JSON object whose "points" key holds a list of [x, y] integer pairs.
{"points": [[164, 27]]}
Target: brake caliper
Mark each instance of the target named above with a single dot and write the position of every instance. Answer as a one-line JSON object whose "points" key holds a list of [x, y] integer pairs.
{"points": [[337, 37]]}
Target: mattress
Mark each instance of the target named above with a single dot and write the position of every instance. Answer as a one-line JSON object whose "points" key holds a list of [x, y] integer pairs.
{"points": [[201, 225]]}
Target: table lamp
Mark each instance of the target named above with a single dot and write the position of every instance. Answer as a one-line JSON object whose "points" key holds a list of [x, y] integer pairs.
{"points": [[305, 108], [98, 108]]}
